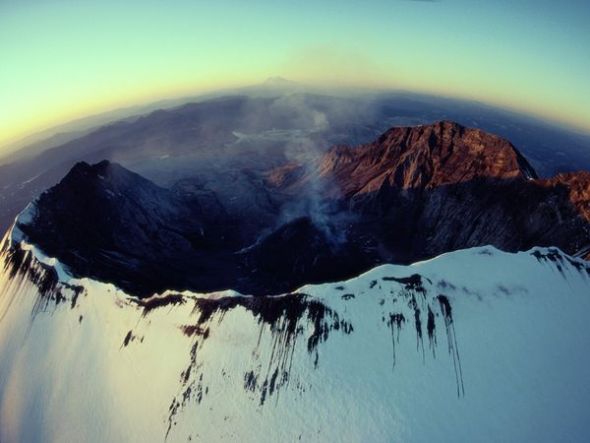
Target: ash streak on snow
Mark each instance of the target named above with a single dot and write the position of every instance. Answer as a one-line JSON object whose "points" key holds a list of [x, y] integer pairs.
{"points": [[420, 303], [288, 325], [285, 318]]}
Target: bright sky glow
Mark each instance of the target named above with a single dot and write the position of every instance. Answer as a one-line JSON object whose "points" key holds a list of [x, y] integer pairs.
{"points": [[61, 60]]}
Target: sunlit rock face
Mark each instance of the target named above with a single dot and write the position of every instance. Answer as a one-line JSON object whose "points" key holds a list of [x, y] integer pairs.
{"points": [[473, 345], [262, 129], [412, 194]]}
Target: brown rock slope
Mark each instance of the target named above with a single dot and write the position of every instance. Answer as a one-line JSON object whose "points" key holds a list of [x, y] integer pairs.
{"points": [[424, 157], [425, 190], [412, 194]]}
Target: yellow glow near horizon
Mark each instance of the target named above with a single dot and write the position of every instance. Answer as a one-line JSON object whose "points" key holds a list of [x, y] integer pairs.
{"points": [[65, 60], [46, 119]]}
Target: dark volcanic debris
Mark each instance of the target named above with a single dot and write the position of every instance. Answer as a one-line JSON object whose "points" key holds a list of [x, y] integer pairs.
{"points": [[425, 311], [285, 318], [412, 194]]}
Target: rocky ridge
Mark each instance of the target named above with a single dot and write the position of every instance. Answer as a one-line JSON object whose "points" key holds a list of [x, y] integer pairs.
{"points": [[414, 193]]}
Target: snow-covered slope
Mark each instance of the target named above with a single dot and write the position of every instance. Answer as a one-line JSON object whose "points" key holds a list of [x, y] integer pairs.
{"points": [[475, 345]]}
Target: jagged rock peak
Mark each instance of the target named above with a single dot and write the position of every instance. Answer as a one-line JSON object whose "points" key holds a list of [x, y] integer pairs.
{"points": [[425, 156], [104, 170]]}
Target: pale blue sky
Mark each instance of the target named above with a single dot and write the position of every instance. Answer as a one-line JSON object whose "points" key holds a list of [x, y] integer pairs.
{"points": [[65, 59]]}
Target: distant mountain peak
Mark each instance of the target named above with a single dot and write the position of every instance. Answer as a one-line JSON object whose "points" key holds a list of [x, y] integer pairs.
{"points": [[278, 81], [105, 173], [86, 168]]}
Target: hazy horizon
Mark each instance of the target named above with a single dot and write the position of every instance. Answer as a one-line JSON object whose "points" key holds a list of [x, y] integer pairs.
{"points": [[63, 61], [90, 121]]}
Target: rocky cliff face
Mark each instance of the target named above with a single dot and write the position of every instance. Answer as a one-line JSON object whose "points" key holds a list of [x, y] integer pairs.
{"points": [[430, 189], [412, 194], [423, 157]]}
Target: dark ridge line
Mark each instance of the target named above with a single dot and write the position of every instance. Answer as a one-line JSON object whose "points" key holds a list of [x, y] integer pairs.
{"points": [[153, 303], [557, 259], [411, 283], [22, 265]]}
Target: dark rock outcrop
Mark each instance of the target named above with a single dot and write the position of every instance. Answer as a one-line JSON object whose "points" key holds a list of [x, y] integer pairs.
{"points": [[412, 194]]}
